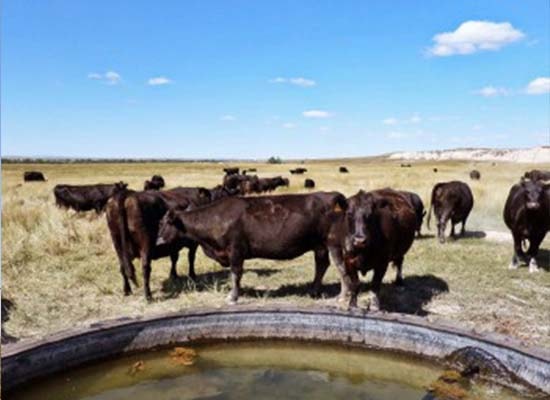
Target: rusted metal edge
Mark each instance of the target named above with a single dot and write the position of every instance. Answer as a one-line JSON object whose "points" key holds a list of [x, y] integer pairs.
{"points": [[28, 360]]}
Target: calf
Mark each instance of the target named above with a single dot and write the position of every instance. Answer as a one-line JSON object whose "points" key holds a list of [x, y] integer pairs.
{"points": [[475, 175], [309, 183], [236, 229], [450, 201], [538, 175], [33, 176], [84, 197], [527, 215], [377, 228], [418, 207], [156, 183], [133, 219]]}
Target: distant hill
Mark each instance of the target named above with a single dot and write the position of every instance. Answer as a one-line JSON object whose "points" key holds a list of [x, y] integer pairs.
{"points": [[532, 155]]}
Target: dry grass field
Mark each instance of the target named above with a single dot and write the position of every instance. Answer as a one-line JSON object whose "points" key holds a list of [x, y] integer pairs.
{"points": [[60, 270]]}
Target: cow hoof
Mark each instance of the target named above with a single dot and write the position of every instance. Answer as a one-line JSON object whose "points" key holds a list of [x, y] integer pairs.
{"points": [[533, 267], [513, 265], [374, 305], [230, 300]]}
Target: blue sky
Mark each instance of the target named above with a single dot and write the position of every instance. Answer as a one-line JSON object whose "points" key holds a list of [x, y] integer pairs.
{"points": [[251, 79]]}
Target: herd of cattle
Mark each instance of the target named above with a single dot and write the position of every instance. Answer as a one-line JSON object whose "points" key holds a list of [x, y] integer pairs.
{"points": [[366, 231]]}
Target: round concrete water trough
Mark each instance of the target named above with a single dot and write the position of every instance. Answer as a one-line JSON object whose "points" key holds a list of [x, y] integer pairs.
{"points": [[24, 361]]}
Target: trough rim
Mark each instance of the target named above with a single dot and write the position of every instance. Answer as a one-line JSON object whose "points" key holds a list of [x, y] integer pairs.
{"points": [[13, 349]]}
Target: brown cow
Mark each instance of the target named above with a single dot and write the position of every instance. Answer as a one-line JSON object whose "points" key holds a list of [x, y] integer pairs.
{"points": [[236, 229], [156, 183], [84, 197], [475, 175], [418, 206], [133, 219], [538, 175], [33, 176], [527, 215], [377, 228], [450, 201]]}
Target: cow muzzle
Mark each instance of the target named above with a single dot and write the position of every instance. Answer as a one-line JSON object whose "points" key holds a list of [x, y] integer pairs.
{"points": [[359, 241], [160, 241], [532, 205]]}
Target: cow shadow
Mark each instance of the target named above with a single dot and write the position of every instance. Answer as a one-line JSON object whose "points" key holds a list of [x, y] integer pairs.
{"points": [[425, 236], [411, 298], [7, 307], [543, 259], [172, 288], [473, 234]]}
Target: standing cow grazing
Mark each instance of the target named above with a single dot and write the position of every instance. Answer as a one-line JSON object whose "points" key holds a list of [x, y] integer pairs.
{"points": [[451, 201], [236, 229], [527, 215], [377, 228]]}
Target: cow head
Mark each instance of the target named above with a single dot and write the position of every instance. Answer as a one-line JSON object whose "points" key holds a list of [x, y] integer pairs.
{"points": [[171, 229], [533, 193], [360, 220]]}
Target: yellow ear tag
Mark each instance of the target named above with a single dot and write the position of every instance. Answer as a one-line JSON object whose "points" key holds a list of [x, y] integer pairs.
{"points": [[337, 208]]}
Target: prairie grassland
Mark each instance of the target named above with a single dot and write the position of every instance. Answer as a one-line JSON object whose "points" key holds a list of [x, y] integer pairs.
{"points": [[60, 269]]}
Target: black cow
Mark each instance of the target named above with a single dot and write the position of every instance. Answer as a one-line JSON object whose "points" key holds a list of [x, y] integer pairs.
{"points": [[418, 206], [33, 176], [236, 229], [298, 171], [405, 165], [156, 183], [377, 228], [133, 219], [231, 170], [435, 169], [84, 197], [527, 215], [309, 183], [538, 175], [475, 175], [450, 201], [343, 170]]}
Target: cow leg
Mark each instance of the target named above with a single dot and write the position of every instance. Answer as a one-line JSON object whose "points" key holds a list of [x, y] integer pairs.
{"points": [[379, 272], [452, 229], [463, 230], [126, 283], [236, 275], [441, 225], [534, 243], [354, 286], [398, 263], [173, 269], [518, 252], [321, 264], [345, 281], [191, 259], [146, 270]]}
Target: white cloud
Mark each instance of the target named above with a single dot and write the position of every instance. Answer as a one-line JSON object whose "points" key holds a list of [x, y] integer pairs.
{"points": [[473, 36], [415, 119], [316, 114], [303, 82], [109, 77], [538, 86], [491, 91], [228, 117], [159, 80], [390, 121], [395, 135], [289, 125]]}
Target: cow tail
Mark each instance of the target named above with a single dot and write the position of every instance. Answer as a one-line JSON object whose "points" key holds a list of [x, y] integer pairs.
{"points": [[129, 269], [431, 205]]}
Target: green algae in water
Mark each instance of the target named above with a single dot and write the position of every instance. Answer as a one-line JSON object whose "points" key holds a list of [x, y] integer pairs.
{"points": [[255, 370]]}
